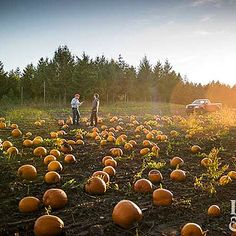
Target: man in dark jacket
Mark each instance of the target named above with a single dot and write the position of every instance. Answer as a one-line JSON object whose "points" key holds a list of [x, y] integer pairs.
{"points": [[95, 106]]}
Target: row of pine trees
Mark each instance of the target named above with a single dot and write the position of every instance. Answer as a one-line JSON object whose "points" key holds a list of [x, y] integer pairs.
{"points": [[57, 79]]}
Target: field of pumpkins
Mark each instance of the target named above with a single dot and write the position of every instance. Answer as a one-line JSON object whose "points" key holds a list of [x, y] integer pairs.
{"points": [[131, 175]]}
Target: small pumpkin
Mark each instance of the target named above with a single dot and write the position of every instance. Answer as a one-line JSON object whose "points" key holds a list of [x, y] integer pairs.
{"points": [[190, 229], [110, 162], [195, 149], [95, 185], [55, 153], [143, 186], [69, 159], [29, 204], [28, 143], [55, 166], [126, 213], [6, 145], [52, 177], [106, 158], [110, 170], [176, 161], [178, 175], [48, 225], [144, 151], [155, 176], [12, 151], [48, 159], [40, 151], [54, 197], [16, 133], [103, 175], [214, 211], [28, 172], [162, 197]]}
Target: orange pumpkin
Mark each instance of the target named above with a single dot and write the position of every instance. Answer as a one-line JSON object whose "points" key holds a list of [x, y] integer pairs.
{"points": [[12, 151], [55, 166], [27, 143], [195, 149], [3, 125], [106, 158], [48, 225], [16, 133], [214, 211], [54, 197], [110, 170], [103, 175], [155, 176], [28, 172], [143, 186], [178, 175], [144, 151], [37, 141], [126, 213], [128, 146], [48, 159], [40, 151], [95, 185], [117, 152], [69, 158], [225, 179], [162, 197], [206, 161], [176, 161], [192, 229], [66, 148], [6, 145], [110, 162], [55, 153], [29, 204], [52, 177], [232, 174]]}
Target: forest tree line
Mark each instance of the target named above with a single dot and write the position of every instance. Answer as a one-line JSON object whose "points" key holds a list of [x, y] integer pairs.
{"points": [[59, 78]]}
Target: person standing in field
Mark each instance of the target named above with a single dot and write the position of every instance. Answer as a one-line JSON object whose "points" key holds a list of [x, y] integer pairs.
{"points": [[94, 113], [75, 104]]}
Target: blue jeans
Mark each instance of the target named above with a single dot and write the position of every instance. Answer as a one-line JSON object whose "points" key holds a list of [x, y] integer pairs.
{"points": [[76, 115]]}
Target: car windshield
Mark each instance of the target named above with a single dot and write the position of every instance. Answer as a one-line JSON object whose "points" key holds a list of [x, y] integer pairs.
{"points": [[200, 101]]}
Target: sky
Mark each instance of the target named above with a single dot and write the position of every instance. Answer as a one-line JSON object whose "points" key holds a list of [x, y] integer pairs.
{"points": [[198, 37]]}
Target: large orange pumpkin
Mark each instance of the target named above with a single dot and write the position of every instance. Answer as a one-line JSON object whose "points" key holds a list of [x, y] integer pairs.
{"points": [[28, 172], [29, 204], [48, 225], [144, 151], [162, 197], [56, 198], [126, 213], [95, 185]]}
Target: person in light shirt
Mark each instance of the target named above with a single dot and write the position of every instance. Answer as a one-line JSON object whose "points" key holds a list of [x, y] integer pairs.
{"points": [[75, 104]]}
